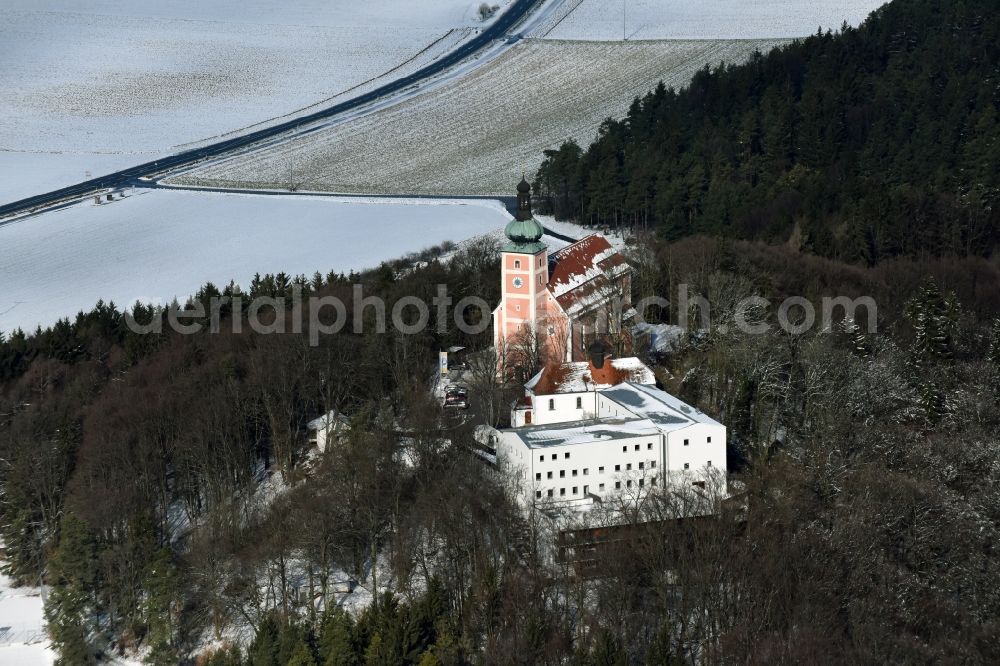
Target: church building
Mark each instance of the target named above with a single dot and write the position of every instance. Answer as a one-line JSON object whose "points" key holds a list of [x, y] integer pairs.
{"points": [[553, 305]]}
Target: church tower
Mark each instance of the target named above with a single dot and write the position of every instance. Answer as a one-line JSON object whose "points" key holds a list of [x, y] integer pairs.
{"points": [[524, 273]]}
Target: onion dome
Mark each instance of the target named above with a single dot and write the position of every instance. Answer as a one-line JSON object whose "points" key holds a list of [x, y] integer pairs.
{"points": [[524, 232]]}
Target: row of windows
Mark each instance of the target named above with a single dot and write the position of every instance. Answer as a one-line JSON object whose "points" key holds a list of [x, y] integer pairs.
{"points": [[555, 456], [642, 465], [552, 401], [575, 490], [600, 470], [562, 491], [517, 263], [688, 441], [649, 447], [541, 458]]}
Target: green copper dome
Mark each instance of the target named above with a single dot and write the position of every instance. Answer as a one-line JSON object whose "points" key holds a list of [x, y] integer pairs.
{"points": [[524, 232]]}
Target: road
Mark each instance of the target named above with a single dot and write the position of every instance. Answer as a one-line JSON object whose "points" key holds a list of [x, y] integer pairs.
{"points": [[498, 30]]}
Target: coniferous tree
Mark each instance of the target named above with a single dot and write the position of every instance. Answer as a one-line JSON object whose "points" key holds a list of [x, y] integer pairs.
{"points": [[266, 645], [607, 651], [72, 609], [161, 585], [994, 354], [857, 160], [336, 640], [302, 655], [934, 317]]}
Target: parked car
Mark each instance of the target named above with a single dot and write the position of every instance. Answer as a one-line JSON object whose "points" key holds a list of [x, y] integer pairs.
{"points": [[456, 397]]}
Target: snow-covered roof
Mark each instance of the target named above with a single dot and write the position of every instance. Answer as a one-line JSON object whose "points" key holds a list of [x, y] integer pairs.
{"points": [[657, 405], [584, 432], [486, 435], [579, 274], [584, 376], [332, 419], [663, 338], [654, 412]]}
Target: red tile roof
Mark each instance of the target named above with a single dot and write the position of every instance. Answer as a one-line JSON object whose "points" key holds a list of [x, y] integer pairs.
{"points": [[580, 271], [583, 376]]}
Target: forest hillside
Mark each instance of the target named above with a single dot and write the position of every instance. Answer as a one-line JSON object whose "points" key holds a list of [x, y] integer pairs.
{"points": [[867, 143]]}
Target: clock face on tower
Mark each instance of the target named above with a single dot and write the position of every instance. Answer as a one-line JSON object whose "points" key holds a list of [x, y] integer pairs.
{"points": [[518, 283]]}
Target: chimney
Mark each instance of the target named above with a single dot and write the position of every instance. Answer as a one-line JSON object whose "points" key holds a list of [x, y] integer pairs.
{"points": [[599, 352]]}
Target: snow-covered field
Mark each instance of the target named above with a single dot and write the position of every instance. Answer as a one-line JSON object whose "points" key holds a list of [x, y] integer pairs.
{"points": [[476, 135], [704, 19], [22, 627], [107, 85], [157, 244]]}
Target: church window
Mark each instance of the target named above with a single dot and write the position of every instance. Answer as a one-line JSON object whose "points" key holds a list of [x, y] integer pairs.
{"points": [[552, 404], [517, 263], [579, 403]]}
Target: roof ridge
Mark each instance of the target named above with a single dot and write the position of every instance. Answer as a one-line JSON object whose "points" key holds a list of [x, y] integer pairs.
{"points": [[578, 241]]}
